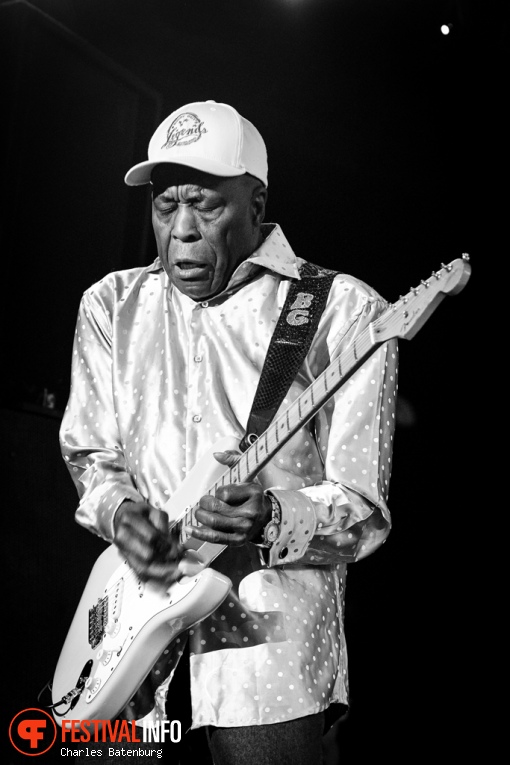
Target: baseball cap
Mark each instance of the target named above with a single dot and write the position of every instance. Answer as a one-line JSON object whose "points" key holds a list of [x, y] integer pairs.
{"points": [[207, 136]]}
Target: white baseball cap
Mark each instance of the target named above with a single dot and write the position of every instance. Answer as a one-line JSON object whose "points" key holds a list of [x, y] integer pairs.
{"points": [[207, 136]]}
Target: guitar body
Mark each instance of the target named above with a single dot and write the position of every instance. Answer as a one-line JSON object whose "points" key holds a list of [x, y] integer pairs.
{"points": [[122, 625]]}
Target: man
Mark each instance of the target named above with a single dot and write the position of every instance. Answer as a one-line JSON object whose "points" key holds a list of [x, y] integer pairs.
{"points": [[166, 361]]}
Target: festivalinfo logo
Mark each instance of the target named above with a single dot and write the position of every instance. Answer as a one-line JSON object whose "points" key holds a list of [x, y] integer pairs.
{"points": [[33, 732]]}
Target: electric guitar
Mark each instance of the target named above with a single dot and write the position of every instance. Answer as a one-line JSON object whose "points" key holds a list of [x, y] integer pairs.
{"points": [[122, 625]]}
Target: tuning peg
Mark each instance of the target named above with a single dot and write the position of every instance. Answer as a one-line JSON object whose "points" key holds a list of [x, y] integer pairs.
{"points": [[448, 268], [465, 256], [425, 283]]}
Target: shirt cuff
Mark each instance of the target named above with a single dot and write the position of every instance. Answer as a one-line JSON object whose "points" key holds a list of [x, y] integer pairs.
{"points": [[111, 499], [297, 527]]}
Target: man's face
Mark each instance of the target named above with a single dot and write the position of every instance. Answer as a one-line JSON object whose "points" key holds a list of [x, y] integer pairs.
{"points": [[204, 226]]}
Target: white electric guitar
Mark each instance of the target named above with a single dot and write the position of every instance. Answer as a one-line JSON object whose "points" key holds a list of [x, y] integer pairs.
{"points": [[122, 625]]}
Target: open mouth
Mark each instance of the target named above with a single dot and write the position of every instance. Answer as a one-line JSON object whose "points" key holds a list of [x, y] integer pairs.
{"points": [[191, 269]]}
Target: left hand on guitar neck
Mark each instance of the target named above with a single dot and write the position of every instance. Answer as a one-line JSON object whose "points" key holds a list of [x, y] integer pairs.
{"points": [[236, 515]]}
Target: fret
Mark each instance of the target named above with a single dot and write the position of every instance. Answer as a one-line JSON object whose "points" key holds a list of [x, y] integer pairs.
{"points": [[299, 408], [246, 464], [242, 468], [265, 441]]}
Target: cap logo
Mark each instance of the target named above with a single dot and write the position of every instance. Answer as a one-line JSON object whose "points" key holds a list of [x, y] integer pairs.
{"points": [[185, 129]]}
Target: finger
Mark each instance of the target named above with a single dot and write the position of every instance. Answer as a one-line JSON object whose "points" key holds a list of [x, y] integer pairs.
{"points": [[161, 573], [128, 509], [225, 509], [227, 523], [138, 553], [238, 493], [229, 457], [149, 563], [144, 544], [205, 534], [159, 519], [138, 526], [215, 505]]}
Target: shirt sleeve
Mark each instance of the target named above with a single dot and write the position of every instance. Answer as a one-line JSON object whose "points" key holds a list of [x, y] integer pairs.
{"points": [[345, 517], [89, 434]]}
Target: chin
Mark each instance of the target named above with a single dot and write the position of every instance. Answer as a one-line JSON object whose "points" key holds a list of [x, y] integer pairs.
{"points": [[195, 293]]}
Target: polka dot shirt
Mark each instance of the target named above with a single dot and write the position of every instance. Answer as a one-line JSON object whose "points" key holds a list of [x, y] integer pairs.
{"points": [[157, 379]]}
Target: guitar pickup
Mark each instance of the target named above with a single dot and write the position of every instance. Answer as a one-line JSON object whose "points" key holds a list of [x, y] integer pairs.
{"points": [[98, 618]]}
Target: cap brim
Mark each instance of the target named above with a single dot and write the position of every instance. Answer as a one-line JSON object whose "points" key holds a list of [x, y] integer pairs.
{"points": [[141, 173]]}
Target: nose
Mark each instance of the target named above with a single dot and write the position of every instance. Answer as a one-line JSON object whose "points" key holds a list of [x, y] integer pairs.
{"points": [[184, 227]]}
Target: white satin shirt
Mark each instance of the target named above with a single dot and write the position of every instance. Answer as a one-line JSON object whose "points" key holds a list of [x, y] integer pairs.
{"points": [[157, 379]]}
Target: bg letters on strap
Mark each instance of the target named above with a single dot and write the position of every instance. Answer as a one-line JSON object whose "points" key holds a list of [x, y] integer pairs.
{"points": [[289, 345]]}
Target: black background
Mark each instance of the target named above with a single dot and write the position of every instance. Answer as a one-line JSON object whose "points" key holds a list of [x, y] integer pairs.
{"points": [[386, 144]]}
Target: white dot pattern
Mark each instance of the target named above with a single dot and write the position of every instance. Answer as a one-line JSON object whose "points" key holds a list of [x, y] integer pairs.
{"points": [[157, 379]]}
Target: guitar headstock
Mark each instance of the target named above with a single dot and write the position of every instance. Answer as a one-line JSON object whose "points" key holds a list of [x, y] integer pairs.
{"points": [[405, 317]]}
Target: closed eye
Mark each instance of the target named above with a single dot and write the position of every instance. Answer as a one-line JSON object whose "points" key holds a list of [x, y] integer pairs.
{"points": [[165, 207]]}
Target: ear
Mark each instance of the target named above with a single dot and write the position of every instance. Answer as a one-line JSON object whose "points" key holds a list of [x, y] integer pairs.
{"points": [[258, 204]]}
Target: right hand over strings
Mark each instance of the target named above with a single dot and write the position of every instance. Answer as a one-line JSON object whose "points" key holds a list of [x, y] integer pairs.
{"points": [[143, 537]]}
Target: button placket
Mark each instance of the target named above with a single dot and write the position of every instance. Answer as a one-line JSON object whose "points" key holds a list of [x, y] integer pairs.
{"points": [[195, 370]]}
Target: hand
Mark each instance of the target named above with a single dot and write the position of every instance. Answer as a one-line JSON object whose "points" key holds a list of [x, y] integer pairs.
{"points": [[142, 536], [236, 515]]}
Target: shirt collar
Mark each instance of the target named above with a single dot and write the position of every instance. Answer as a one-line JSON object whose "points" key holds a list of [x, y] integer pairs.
{"points": [[275, 254]]}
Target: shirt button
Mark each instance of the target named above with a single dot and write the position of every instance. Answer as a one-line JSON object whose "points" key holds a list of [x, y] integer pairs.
{"points": [[204, 304], [197, 417], [198, 358]]}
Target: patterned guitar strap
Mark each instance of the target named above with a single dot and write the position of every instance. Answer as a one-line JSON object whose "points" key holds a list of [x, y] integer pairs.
{"points": [[289, 345]]}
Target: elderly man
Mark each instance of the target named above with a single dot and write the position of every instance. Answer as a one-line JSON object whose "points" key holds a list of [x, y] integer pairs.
{"points": [[167, 360]]}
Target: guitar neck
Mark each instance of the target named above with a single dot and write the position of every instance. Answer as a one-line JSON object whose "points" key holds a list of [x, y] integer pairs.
{"points": [[296, 416], [401, 319]]}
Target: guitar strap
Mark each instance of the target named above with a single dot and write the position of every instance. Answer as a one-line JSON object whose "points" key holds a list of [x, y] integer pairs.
{"points": [[289, 345]]}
